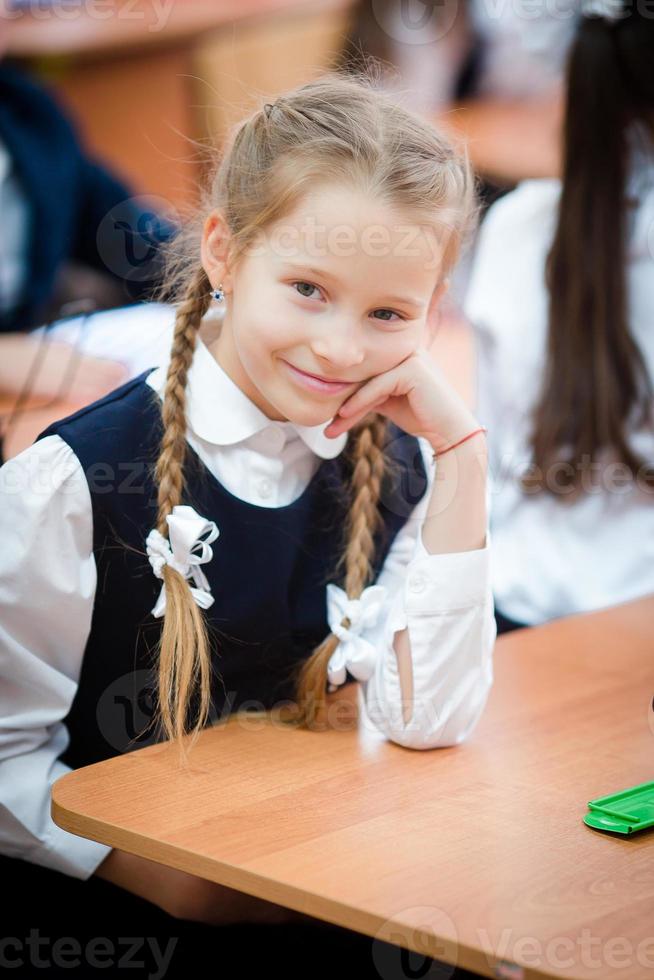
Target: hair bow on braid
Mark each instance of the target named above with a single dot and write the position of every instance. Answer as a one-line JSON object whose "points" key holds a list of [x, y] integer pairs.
{"points": [[348, 618], [185, 550]]}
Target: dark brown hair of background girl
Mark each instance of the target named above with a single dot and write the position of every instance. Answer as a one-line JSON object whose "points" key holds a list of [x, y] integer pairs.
{"points": [[339, 127], [594, 376]]}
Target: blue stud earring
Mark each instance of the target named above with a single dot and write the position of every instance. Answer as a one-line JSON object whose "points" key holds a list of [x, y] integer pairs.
{"points": [[218, 294]]}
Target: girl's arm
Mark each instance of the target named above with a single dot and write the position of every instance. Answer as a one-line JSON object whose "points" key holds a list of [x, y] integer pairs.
{"points": [[47, 590], [434, 670], [456, 515]]}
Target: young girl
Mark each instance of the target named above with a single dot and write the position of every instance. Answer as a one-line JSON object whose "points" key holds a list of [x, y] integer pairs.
{"points": [[228, 531], [562, 299]]}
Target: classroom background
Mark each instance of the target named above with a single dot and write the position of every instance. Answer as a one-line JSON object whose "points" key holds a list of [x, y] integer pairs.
{"points": [[133, 98]]}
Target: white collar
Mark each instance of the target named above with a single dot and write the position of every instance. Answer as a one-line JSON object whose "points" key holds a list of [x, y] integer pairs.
{"points": [[219, 412]]}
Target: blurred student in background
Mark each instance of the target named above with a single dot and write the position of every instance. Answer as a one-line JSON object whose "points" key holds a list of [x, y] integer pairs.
{"points": [[70, 231], [489, 72], [562, 300]]}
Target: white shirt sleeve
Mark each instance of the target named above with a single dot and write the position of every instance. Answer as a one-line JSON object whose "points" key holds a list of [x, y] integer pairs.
{"points": [[446, 602], [47, 590]]}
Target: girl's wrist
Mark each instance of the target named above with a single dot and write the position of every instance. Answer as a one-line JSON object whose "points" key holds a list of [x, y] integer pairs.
{"points": [[455, 432]]}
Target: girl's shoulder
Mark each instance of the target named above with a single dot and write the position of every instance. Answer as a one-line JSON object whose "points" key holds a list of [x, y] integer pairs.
{"points": [[114, 438], [46, 468], [118, 418]]}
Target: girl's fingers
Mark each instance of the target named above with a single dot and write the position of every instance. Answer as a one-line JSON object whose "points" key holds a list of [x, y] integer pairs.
{"points": [[365, 398], [340, 425]]}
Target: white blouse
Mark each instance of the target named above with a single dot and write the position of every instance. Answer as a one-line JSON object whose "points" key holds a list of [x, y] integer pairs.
{"points": [[48, 581], [524, 46], [550, 559]]}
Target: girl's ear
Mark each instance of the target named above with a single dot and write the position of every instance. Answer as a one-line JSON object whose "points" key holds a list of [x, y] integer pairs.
{"points": [[214, 249]]}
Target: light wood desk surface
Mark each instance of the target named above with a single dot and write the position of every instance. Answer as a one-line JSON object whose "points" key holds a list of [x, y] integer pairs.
{"points": [[474, 854]]}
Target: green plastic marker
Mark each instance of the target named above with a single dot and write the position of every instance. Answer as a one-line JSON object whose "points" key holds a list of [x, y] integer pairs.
{"points": [[625, 812]]}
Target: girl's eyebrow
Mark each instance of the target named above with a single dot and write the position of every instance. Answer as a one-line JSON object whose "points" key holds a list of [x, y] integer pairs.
{"points": [[323, 274]]}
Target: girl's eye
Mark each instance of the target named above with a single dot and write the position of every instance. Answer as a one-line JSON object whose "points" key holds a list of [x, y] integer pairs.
{"points": [[301, 282], [388, 311]]}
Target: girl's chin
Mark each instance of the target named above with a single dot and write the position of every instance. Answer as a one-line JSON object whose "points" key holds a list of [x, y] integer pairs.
{"points": [[311, 419], [286, 409]]}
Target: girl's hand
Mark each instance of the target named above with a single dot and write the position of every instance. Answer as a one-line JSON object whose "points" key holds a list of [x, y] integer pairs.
{"points": [[416, 396]]}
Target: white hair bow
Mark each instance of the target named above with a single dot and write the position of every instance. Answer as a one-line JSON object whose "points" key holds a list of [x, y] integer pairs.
{"points": [[184, 550], [354, 653]]}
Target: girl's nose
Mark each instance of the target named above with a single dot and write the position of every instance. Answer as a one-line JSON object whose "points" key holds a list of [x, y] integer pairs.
{"points": [[339, 348]]}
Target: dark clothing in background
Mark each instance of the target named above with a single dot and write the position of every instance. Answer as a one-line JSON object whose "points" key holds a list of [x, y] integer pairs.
{"points": [[78, 211], [505, 625]]}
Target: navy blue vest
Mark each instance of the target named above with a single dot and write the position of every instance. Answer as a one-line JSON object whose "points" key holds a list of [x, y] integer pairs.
{"points": [[268, 573]]}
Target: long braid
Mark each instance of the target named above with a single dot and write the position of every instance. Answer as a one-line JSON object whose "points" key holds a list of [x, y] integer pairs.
{"points": [[169, 471], [368, 467], [184, 656], [363, 520]]}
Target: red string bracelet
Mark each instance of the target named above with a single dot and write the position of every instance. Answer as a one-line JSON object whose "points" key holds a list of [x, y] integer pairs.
{"points": [[455, 444]]}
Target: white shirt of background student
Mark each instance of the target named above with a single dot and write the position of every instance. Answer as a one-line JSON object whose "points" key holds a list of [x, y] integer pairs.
{"points": [[551, 560]]}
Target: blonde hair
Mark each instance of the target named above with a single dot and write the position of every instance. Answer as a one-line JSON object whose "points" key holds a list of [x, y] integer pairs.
{"points": [[344, 128]]}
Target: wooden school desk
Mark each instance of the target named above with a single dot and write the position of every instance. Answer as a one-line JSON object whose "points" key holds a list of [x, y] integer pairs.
{"points": [[475, 854]]}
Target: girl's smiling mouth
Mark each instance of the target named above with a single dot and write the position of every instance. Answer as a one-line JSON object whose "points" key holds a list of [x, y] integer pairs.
{"points": [[314, 383]]}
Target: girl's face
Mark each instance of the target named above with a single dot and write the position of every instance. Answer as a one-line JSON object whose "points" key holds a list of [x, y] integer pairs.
{"points": [[341, 288]]}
